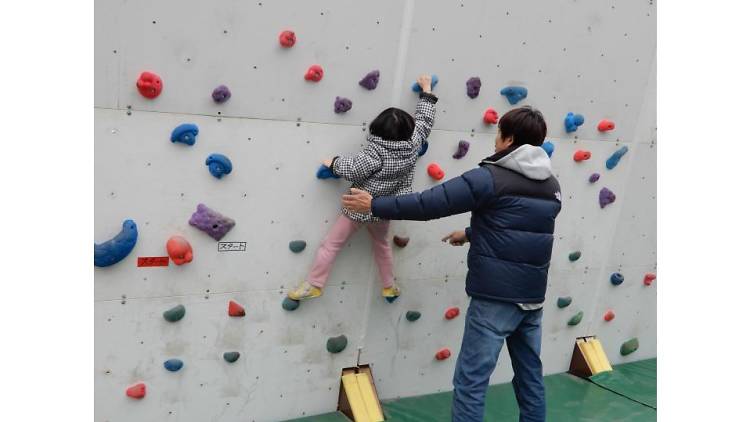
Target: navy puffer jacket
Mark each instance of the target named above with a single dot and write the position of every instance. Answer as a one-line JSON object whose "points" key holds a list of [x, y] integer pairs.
{"points": [[513, 199]]}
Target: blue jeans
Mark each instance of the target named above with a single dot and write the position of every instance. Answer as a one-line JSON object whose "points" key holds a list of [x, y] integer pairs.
{"points": [[488, 325]]}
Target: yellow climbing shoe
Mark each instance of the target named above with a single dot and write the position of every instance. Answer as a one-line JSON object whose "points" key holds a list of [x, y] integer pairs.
{"points": [[391, 293], [304, 291]]}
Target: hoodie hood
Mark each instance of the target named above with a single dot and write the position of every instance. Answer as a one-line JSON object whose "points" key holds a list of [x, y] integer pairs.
{"points": [[528, 160], [401, 149]]}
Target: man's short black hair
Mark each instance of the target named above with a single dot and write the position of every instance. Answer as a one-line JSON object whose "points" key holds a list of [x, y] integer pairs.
{"points": [[526, 125], [393, 124]]}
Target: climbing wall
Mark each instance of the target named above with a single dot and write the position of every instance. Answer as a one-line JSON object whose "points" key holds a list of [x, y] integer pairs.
{"points": [[594, 58]]}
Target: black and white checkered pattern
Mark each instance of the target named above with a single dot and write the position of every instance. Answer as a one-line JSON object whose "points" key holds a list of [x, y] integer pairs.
{"points": [[384, 167]]}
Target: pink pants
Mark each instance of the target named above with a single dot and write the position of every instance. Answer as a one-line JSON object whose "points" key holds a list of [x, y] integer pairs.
{"points": [[342, 229]]}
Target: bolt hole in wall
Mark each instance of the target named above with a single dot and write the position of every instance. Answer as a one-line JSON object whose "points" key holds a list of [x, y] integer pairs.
{"points": [[609, 237]]}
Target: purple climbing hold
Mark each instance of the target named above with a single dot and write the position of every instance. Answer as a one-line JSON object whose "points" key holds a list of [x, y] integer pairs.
{"points": [[370, 81], [594, 177], [472, 87], [221, 94], [606, 197], [463, 148], [211, 222], [342, 105]]}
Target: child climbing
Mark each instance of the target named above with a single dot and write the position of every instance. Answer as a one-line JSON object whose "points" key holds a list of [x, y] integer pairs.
{"points": [[384, 167]]}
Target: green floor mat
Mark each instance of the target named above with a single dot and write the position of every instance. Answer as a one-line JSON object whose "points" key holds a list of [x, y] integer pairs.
{"points": [[636, 381], [327, 417]]}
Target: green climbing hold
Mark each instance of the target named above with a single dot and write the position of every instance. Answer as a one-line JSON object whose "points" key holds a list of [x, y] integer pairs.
{"points": [[575, 319], [629, 346], [564, 301], [297, 246], [574, 256], [413, 315], [175, 314], [290, 304], [231, 356], [336, 344]]}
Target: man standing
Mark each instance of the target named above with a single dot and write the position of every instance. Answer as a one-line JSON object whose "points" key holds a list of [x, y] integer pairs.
{"points": [[514, 200]]}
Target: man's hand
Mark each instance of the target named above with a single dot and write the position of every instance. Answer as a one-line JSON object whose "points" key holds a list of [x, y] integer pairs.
{"points": [[425, 82], [457, 238], [358, 201], [327, 163]]}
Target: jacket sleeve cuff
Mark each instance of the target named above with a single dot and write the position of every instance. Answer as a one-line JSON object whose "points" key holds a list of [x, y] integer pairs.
{"points": [[333, 164], [374, 206], [468, 233], [429, 97]]}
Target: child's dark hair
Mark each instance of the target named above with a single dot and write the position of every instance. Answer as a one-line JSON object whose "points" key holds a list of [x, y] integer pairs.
{"points": [[393, 124], [526, 125]]}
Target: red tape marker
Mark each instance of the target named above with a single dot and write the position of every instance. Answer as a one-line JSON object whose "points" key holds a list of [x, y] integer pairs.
{"points": [[153, 261]]}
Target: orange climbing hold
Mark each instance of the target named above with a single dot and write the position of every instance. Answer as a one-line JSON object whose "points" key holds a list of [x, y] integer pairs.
{"points": [[490, 116], [609, 315], [451, 313], [649, 278], [443, 354], [136, 391], [314, 73], [235, 309], [606, 125], [435, 171], [581, 155], [287, 39], [179, 249]]}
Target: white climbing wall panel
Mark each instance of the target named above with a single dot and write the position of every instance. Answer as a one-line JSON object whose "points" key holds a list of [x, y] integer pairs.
{"points": [[591, 57]]}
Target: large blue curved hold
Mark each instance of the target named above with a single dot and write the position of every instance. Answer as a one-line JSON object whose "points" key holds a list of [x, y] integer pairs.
{"points": [[613, 160], [549, 148], [218, 165], [185, 134], [423, 148], [572, 121], [416, 88], [116, 249], [326, 173], [514, 94]]}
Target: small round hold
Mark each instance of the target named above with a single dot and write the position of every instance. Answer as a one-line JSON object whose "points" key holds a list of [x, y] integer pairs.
{"points": [[564, 301], [594, 177], [231, 357], [435, 171], [490, 116], [314, 73], [616, 279], [401, 242], [184, 134], [443, 354], [136, 391], [609, 315], [342, 105], [297, 246], [574, 256], [336, 344], [451, 313], [287, 38], [149, 85], [649, 278], [581, 155], [218, 165], [173, 365], [412, 316], [174, 314], [221, 94], [290, 304]]}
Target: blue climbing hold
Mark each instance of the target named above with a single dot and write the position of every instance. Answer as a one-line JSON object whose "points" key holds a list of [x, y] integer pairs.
{"points": [[116, 249], [616, 279], [289, 304], [218, 165], [326, 173], [549, 148], [572, 121], [416, 88], [615, 158], [184, 134], [423, 148], [514, 94], [173, 365]]}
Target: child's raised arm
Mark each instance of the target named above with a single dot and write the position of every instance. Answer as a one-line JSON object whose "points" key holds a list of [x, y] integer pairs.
{"points": [[359, 167], [424, 116]]}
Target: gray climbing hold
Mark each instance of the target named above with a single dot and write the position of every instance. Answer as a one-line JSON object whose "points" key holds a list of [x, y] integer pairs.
{"points": [[413, 315], [231, 356], [290, 304], [297, 246], [629, 346], [336, 344], [564, 301], [575, 319], [174, 314]]}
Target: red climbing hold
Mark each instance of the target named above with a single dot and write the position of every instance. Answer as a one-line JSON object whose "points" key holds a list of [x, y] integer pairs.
{"points": [[287, 39], [649, 278], [435, 171], [606, 125], [314, 73], [179, 249], [609, 315], [235, 309], [490, 116], [451, 313], [443, 354], [136, 391], [149, 84], [581, 155]]}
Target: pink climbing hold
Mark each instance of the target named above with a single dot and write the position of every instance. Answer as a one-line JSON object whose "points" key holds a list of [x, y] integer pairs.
{"points": [[451, 313], [179, 249], [435, 171], [136, 391], [605, 125], [287, 39], [490, 116], [314, 73], [649, 278], [581, 155], [443, 354], [609, 315], [149, 85], [235, 309]]}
